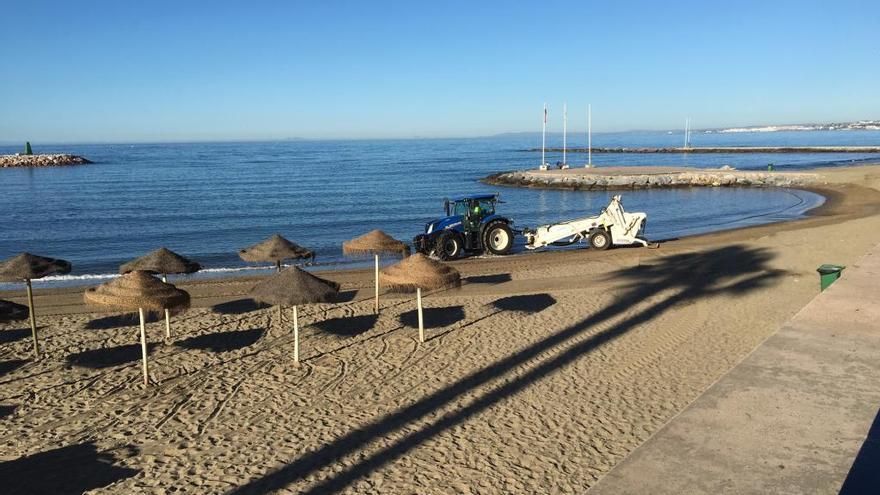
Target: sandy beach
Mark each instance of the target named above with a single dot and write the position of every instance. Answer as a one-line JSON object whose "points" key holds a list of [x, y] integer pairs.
{"points": [[538, 375]]}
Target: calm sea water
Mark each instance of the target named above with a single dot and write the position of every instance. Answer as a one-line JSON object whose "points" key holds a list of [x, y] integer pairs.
{"points": [[208, 200]]}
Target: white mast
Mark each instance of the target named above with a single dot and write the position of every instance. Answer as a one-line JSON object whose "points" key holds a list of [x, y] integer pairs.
{"points": [[564, 130], [544, 137], [589, 135], [687, 123]]}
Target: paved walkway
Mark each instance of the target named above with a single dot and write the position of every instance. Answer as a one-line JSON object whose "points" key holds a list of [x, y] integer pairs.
{"points": [[799, 415]]}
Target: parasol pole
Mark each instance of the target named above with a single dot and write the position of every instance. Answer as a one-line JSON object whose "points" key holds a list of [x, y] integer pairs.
{"points": [[421, 320], [376, 305], [30, 297], [295, 336], [167, 313], [278, 265], [144, 346]]}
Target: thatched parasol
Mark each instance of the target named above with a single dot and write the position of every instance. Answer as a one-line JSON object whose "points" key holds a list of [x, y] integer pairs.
{"points": [[26, 267], [277, 249], [162, 261], [293, 287], [138, 290], [419, 272], [375, 242], [10, 311]]}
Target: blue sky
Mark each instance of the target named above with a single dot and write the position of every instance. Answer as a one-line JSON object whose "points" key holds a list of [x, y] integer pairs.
{"points": [[174, 71]]}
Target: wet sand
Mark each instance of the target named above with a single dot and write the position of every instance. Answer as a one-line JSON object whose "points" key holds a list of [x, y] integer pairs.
{"points": [[539, 374]]}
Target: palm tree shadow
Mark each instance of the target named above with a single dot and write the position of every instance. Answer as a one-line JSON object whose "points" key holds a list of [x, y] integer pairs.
{"points": [[863, 475], [348, 326], [681, 279], [108, 357], [433, 317], [232, 340], [65, 471]]}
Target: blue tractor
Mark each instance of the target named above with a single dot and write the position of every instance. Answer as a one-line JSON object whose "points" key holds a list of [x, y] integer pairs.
{"points": [[470, 225]]}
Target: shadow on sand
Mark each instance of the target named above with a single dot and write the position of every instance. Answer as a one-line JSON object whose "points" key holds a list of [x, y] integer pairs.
{"points": [[529, 303], [108, 357], [121, 321], [9, 336], [646, 292], [232, 340], [238, 307], [349, 326], [345, 296], [11, 365], [69, 470], [433, 317], [6, 410], [498, 278]]}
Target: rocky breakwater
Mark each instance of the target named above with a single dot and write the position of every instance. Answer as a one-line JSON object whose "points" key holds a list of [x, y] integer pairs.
{"points": [[648, 178], [8, 161]]}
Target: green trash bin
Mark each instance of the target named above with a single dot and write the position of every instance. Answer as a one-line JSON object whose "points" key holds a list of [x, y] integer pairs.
{"points": [[828, 274]]}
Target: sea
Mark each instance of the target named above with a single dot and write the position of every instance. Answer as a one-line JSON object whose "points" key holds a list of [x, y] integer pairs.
{"points": [[209, 200]]}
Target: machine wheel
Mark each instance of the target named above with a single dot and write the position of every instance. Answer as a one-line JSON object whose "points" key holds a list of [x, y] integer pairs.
{"points": [[600, 240], [498, 238], [448, 246]]}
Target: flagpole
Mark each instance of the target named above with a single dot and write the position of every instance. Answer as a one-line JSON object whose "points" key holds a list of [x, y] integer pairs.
{"points": [[589, 135], [687, 122], [564, 130], [544, 136]]}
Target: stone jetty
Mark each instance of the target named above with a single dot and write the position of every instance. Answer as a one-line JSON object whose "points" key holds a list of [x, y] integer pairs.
{"points": [[8, 161], [602, 178]]}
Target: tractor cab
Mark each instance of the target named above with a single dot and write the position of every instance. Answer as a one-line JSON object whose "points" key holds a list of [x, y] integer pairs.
{"points": [[471, 224]]}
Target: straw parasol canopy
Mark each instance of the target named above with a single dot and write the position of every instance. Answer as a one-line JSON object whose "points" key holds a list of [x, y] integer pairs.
{"points": [[375, 242], [161, 261], [275, 248], [419, 271], [10, 311], [27, 266], [137, 290], [293, 287]]}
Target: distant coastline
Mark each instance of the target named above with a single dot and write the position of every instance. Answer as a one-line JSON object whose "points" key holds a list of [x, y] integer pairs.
{"points": [[54, 160], [720, 149]]}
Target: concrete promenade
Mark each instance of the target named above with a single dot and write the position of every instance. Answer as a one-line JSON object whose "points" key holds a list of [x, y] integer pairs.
{"points": [[798, 415]]}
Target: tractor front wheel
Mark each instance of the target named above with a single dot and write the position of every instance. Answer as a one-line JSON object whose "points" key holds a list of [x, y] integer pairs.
{"points": [[448, 246], [498, 238], [600, 240]]}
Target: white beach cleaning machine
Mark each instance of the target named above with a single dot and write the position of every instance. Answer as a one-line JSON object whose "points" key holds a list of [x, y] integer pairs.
{"points": [[612, 227]]}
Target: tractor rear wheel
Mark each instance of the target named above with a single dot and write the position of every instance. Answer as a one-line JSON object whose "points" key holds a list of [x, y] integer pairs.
{"points": [[600, 240], [448, 246], [498, 238]]}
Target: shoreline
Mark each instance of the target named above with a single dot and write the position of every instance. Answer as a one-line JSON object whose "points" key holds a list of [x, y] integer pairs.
{"points": [[843, 201]]}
